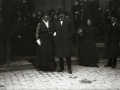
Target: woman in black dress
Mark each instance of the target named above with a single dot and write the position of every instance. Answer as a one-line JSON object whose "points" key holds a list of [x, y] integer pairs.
{"points": [[88, 55], [45, 52]]}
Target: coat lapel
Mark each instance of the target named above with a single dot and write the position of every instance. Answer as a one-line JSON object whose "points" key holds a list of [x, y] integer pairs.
{"points": [[64, 22], [59, 24]]}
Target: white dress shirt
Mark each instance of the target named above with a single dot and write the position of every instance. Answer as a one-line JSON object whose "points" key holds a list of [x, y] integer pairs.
{"points": [[61, 22]]}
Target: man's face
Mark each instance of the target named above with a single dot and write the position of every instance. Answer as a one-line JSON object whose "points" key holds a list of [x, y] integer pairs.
{"points": [[55, 17], [88, 22], [34, 15], [61, 16], [39, 13], [113, 19], [76, 3]]}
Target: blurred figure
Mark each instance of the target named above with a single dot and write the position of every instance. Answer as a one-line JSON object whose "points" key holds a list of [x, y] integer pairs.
{"points": [[108, 16], [39, 16], [17, 33], [81, 2], [96, 12], [68, 15], [91, 9], [52, 12], [54, 17], [76, 16], [76, 13], [88, 54], [45, 52], [30, 35], [112, 42], [33, 24]]}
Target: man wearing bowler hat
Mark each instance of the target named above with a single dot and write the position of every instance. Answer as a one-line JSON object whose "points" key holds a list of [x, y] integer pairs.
{"points": [[112, 42], [63, 33]]}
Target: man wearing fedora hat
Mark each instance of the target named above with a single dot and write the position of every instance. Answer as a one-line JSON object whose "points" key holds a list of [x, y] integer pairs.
{"points": [[112, 42], [63, 32]]}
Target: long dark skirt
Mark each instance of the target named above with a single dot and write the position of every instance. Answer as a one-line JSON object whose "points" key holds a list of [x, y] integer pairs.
{"points": [[45, 53], [88, 53]]}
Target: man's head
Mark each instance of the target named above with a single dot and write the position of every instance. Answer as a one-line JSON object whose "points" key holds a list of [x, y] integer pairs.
{"points": [[113, 19], [34, 15], [55, 16], [76, 2], [39, 13], [61, 14]]}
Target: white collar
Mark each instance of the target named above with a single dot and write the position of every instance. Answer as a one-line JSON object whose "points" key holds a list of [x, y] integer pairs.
{"points": [[113, 24], [46, 23], [61, 21]]}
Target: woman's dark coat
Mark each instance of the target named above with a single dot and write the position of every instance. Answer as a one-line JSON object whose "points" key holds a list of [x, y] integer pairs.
{"points": [[63, 39], [88, 54], [45, 52], [112, 41]]}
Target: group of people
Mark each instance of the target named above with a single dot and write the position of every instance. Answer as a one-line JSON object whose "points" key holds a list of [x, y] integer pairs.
{"points": [[56, 35], [56, 39]]}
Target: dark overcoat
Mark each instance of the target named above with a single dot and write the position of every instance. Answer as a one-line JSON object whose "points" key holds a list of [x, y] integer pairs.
{"points": [[63, 39], [88, 54], [45, 52], [112, 41]]}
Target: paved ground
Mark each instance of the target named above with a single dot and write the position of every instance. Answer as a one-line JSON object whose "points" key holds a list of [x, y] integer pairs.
{"points": [[83, 78]]}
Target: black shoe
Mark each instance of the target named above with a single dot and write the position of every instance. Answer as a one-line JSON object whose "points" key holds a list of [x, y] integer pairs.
{"points": [[70, 71], [107, 65], [96, 66], [60, 70], [113, 67]]}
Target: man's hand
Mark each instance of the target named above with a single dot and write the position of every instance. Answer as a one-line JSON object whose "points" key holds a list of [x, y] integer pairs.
{"points": [[39, 42], [54, 34]]}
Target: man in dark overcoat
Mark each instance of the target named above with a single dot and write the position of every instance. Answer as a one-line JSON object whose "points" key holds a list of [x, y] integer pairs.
{"points": [[112, 43], [63, 33]]}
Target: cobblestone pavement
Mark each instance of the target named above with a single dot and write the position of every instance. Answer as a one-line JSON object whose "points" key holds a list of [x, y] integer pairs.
{"points": [[83, 78]]}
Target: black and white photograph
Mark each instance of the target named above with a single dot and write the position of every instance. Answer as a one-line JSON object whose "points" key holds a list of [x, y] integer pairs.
{"points": [[59, 44]]}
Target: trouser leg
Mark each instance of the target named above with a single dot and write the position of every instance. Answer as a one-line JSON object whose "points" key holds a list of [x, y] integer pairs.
{"points": [[114, 61], [61, 63], [68, 59], [109, 62]]}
